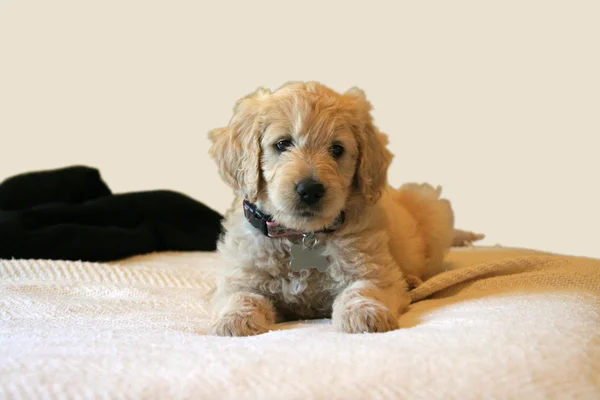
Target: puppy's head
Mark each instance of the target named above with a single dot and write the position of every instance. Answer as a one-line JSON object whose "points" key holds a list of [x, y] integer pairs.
{"points": [[302, 152]]}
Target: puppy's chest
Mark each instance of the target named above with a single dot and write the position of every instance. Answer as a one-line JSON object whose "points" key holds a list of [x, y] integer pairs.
{"points": [[305, 293], [305, 277], [306, 283]]}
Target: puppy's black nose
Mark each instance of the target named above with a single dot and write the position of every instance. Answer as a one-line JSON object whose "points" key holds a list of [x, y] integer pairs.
{"points": [[310, 191]]}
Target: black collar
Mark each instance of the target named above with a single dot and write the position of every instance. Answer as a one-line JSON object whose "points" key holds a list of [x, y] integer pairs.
{"points": [[256, 218], [264, 223]]}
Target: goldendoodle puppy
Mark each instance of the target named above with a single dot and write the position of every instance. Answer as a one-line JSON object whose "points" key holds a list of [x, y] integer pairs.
{"points": [[315, 230]]}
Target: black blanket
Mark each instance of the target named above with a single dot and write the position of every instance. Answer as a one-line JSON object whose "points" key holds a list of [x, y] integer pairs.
{"points": [[71, 214]]}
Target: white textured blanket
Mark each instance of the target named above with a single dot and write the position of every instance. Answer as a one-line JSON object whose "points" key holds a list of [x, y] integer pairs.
{"points": [[499, 324]]}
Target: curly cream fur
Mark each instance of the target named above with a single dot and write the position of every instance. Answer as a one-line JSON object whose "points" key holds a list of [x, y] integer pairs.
{"points": [[391, 237]]}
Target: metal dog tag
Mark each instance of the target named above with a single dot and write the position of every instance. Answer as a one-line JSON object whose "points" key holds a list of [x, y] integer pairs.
{"points": [[308, 255]]}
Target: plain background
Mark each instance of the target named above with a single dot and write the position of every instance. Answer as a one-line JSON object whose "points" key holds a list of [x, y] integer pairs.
{"points": [[496, 101]]}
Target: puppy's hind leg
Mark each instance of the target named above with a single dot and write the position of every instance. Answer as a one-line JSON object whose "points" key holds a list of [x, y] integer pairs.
{"points": [[435, 221], [422, 199]]}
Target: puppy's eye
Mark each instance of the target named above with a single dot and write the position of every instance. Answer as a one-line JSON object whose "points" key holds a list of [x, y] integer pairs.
{"points": [[283, 145], [336, 150]]}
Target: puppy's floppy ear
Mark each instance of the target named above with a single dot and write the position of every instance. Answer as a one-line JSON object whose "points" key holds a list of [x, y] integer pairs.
{"points": [[374, 158], [236, 148]]}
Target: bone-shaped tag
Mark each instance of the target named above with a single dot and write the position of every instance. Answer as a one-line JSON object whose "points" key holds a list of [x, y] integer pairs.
{"points": [[308, 258]]}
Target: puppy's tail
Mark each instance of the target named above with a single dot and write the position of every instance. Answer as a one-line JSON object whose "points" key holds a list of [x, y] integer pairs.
{"points": [[462, 238]]}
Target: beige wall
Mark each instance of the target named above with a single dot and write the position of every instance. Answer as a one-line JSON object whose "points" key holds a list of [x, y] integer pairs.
{"points": [[497, 101]]}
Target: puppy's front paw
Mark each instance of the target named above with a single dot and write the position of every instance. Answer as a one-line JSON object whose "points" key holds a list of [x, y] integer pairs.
{"points": [[238, 325], [363, 317]]}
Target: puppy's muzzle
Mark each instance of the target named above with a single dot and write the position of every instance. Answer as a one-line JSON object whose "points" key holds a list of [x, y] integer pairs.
{"points": [[310, 192]]}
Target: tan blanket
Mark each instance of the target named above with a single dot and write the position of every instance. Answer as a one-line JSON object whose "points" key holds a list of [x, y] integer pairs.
{"points": [[498, 324]]}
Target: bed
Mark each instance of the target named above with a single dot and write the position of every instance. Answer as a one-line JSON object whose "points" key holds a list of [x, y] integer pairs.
{"points": [[499, 323]]}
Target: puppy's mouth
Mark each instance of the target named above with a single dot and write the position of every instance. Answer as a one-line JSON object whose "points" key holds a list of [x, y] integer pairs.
{"points": [[307, 214]]}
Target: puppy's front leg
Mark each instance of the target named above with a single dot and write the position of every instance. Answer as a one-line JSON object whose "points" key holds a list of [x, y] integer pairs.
{"points": [[243, 314], [364, 307]]}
